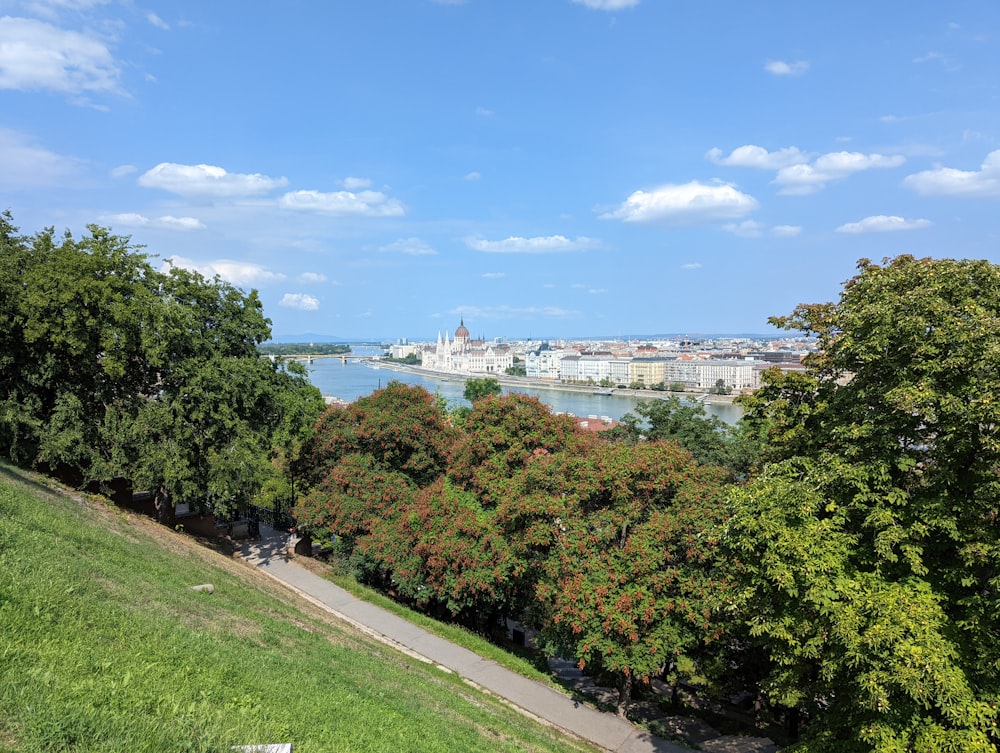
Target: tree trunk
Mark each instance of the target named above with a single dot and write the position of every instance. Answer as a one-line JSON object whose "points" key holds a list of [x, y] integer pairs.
{"points": [[164, 507], [624, 695]]}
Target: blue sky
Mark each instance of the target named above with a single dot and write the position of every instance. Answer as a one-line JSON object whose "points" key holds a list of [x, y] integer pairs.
{"points": [[539, 168]]}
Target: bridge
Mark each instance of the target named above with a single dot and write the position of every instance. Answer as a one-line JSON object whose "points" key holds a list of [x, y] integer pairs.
{"points": [[310, 357]]}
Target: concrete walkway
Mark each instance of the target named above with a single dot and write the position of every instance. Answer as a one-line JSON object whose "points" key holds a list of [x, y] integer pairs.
{"points": [[533, 698]]}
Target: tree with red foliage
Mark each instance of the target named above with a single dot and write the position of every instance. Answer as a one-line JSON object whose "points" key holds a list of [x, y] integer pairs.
{"points": [[402, 428], [630, 581], [502, 434]]}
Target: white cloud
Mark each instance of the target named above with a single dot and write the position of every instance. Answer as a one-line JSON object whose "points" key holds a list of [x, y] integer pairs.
{"points": [[312, 277], [122, 170], [514, 312], [691, 265], [786, 231], [947, 181], [751, 155], [35, 55], [809, 178], [24, 164], [690, 202], [155, 20], [207, 181], [597, 291], [745, 229], [881, 223], [180, 223], [126, 219], [548, 244], [343, 203], [236, 272], [356, 184], [300, 301], [473, 176], [494, 275], [485, 112], [608, 4], [168, 222], [782, 68], [410, 247]]}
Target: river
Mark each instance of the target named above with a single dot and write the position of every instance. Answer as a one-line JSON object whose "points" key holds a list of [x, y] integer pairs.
{"points": [[352, 380]]}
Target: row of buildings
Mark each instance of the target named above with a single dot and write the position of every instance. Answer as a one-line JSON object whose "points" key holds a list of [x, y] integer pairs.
{"points": [[672, 365]]}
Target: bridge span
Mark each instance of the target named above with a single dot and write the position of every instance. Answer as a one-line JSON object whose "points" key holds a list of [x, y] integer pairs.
{"points": [[310, 357]]}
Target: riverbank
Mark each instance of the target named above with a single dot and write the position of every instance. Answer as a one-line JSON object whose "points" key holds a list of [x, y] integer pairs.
{"points": [[543, 384]]}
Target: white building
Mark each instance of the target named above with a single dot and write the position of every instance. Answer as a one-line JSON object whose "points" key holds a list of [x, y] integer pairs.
{"points": [[463, 355], [544, 362]]}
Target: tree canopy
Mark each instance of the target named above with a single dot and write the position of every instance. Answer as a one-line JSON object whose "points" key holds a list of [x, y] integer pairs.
{"points": [[109, 367], [870, 542]]}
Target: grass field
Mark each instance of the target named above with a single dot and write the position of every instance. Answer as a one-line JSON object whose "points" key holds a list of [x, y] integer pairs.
{"points": [[104, 647]]}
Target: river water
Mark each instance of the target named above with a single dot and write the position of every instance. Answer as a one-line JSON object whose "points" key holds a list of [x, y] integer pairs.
{"points": [[352, 380]]}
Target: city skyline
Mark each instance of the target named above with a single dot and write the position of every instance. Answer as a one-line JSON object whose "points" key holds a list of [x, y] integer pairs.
{"points": [[384, 169]]}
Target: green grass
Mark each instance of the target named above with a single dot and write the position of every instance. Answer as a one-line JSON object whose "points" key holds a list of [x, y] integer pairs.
{"points": [[524, 662], [104, 647]]}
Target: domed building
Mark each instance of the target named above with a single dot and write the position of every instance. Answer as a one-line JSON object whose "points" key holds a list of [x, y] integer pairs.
{"points": [[463, 355], [462, 336]]}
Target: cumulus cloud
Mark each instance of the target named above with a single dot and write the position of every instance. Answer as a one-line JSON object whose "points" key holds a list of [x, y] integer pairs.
{"points": [[881, 223], [514, 312], [745, 229], [548, 244], [494, 275], [751, 155], [236, 272], [168, 222], [356, 184], [207, 181], [809, 178], [485, 112], [948, 181], [312, 277], [343, 203], [608, 4], [409, 246], [691, 265], [473, 176], [782, 68], [300, 301], [690, 202], [25, 164], [786, 231], [35, 55], [180, 223]]}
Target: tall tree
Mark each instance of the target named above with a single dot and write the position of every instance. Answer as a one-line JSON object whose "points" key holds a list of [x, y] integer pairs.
{"points": [[631, 583], [710, 440], [871, 541], [110, 368]]}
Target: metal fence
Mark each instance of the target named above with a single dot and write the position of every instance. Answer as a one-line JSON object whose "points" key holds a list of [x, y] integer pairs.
{"points": [[276, 519]]}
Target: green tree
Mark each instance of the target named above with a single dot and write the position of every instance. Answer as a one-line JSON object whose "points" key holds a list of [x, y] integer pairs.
{"points": [[476, 389], [869, 543], [708, 439], [110, 368]]}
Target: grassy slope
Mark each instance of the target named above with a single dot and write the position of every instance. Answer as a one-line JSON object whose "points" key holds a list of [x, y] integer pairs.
{"points": [[104, 647]]}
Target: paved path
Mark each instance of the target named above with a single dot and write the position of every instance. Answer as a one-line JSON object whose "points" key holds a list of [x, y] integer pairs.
{"points": [[534, 698]]}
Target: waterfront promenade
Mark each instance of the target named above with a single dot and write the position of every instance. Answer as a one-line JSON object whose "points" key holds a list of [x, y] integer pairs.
{"points": [[544, 384]]}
